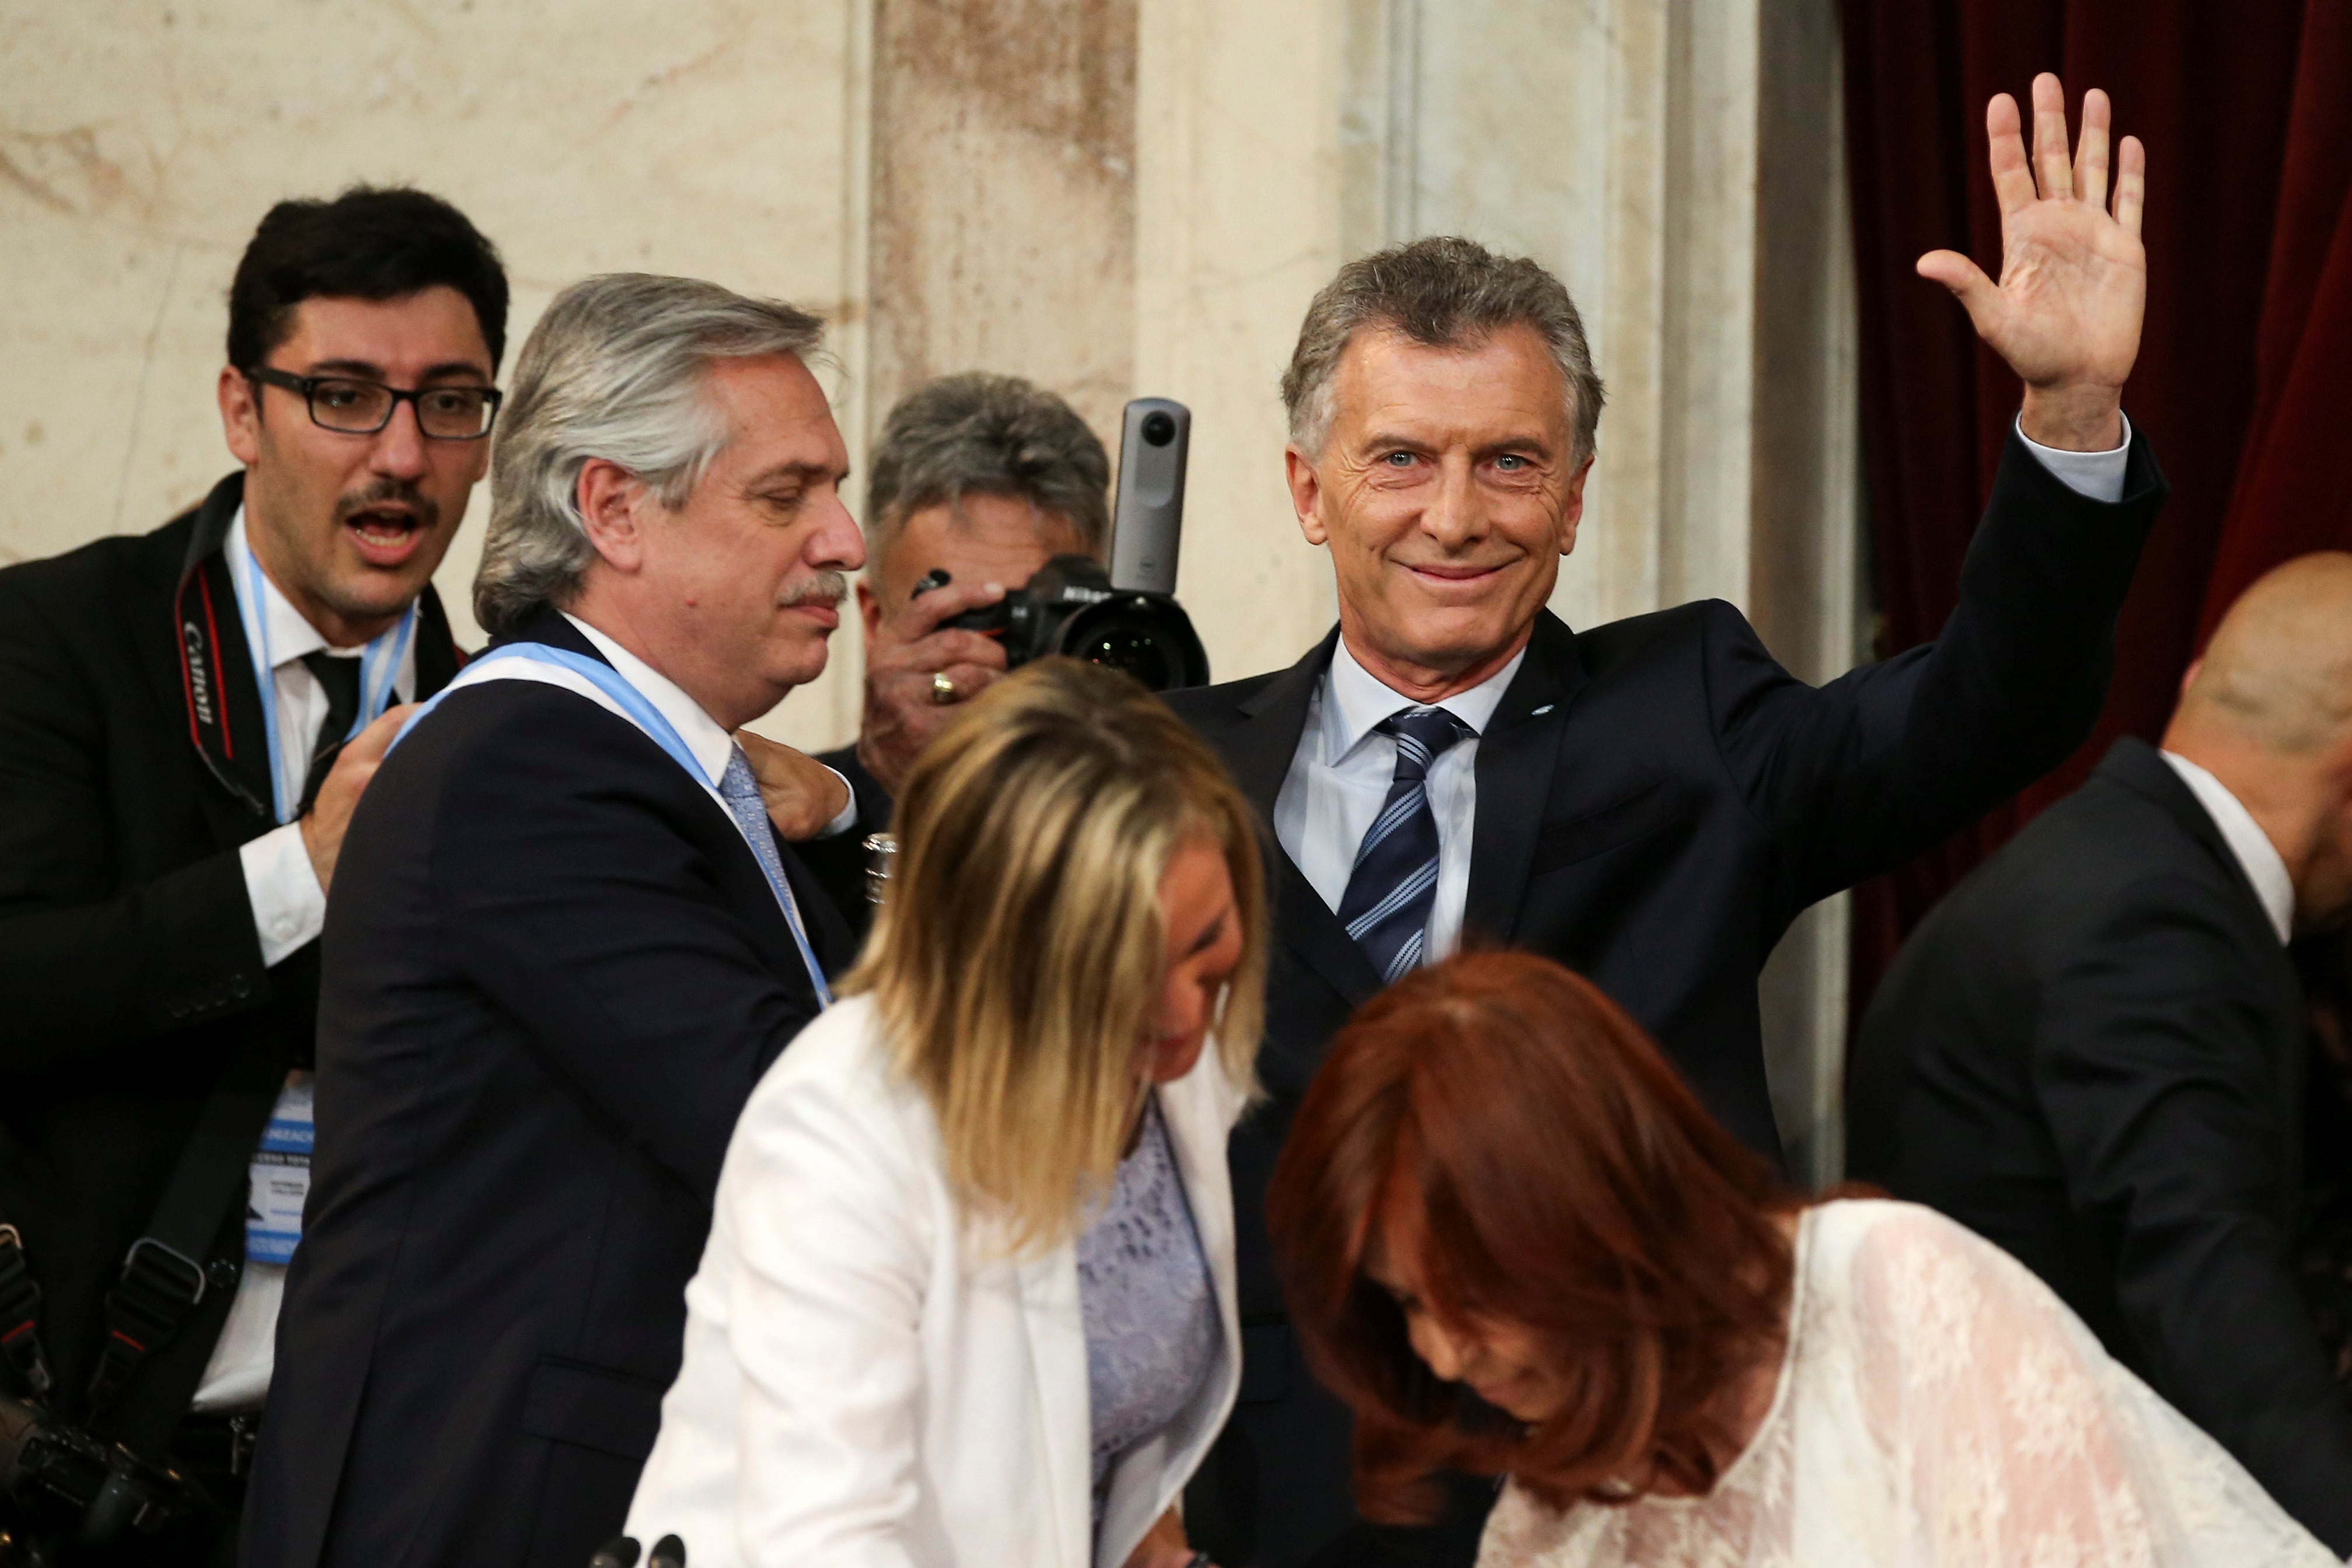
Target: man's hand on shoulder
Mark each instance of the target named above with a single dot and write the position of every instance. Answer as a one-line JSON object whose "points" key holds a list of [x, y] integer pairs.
{"points": [[802, 795], [2074, 275], [331, 814]]}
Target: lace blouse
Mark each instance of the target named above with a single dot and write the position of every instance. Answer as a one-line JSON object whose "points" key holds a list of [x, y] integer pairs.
{"points": [[1937, 1407], [1148, 1307]]}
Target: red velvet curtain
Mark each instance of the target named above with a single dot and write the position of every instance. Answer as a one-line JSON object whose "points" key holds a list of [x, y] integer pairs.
{"points": [[2244, 379]]}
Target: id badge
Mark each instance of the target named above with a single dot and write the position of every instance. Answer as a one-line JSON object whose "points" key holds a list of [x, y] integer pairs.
{"points": [[281, 1176]]}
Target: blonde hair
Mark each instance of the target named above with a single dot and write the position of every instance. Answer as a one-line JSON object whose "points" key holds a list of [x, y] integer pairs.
{"points": [[1018, 956]]}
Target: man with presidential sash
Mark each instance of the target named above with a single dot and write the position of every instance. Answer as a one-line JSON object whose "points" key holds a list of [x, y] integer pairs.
{"points": [[187, 718], [566, 944]]}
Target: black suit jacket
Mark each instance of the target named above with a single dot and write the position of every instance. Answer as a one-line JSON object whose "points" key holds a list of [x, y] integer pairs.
{"points": [[129, 965], [2093, 1053], [838, 862], [1656, 800], [553, 973]]}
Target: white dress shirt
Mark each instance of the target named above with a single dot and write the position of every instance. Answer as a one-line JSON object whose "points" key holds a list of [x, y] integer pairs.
{"points": [[2256, 855], [288, 905], [288, 909], [1339, 779], [1340, 776]]}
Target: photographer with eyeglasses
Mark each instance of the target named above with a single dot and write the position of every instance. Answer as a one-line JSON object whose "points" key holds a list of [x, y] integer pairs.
{"points": [[187, 719]]}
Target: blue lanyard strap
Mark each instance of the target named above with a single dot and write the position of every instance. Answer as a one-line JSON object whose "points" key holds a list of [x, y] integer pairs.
{"points": [[379, 671], [641, 713]]}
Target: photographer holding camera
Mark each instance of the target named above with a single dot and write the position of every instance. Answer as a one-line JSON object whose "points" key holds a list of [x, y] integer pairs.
{"points": [[188, 718], [983, 478]]}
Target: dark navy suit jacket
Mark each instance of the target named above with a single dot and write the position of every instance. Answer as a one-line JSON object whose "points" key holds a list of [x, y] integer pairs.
{"points": [[553, 973], [2093, 1053], [1657, 799]]}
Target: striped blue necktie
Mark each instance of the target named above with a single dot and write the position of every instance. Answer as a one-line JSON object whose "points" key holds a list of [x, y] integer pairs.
{"points": [[1394, 882]]}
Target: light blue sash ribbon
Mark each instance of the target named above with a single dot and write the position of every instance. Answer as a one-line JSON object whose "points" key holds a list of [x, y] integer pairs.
{"points": [[641, 713]]}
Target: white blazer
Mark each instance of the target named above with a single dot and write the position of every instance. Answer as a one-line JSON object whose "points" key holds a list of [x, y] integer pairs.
{"points": [[862, 1388]]}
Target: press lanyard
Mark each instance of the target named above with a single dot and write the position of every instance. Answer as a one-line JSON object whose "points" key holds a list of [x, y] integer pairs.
{"points": [[379, 669], [639, 711]]}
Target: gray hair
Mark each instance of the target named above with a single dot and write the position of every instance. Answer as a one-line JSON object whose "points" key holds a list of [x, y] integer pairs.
{"points": [[981, 434], [1447, 293], [617, 369]]}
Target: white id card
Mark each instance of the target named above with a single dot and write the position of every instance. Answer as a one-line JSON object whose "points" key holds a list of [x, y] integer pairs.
{"points": [[281, 1176]]}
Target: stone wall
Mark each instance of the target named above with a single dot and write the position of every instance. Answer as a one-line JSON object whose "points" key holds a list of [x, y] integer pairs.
{"points": [[142, 140], [1114, 198]]}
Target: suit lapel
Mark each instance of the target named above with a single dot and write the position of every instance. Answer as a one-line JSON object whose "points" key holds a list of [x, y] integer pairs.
{"points": [[207, 677], [1517, 755], [1260, 752], [1273, 718], [1051, 1313], [828, 933], [1314, 934]]}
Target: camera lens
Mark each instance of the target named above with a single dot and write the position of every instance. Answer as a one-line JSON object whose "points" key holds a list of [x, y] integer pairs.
{"points": [[1159, 429], [1132, 652]]}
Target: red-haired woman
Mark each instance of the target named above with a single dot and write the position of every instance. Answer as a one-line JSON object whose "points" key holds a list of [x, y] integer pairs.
{"points": [[1517, 1245]]}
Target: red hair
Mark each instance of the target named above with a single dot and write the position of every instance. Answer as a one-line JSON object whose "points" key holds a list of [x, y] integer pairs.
{"points": [[1501, 1124]]}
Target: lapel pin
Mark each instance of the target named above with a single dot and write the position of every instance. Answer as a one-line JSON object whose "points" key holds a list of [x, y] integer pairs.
{"points": [[1538, 713]]}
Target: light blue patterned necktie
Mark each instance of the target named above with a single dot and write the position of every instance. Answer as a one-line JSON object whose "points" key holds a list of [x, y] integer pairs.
{"points": [[740, 790]]}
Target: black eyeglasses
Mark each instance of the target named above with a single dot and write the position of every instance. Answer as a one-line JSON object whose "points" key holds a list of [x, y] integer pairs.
{"points": [[352, 407]]}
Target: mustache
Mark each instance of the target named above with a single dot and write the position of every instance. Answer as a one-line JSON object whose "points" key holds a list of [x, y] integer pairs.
{"points": [[385, 492], [828, 588]]}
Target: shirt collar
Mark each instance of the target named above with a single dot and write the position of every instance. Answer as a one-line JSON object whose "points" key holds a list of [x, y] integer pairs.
{"points": [[712, 747], [292, 635], [2256, 855], [1358, 701]]}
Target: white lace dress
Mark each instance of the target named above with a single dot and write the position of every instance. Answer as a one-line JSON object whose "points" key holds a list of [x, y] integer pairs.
{"points": [[1937, 1407]]}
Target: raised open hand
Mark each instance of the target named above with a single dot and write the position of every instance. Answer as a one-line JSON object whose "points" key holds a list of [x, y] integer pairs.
{"points": [[2073, 276]]}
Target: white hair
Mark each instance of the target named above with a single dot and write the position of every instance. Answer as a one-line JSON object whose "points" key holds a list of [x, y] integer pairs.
{"points": [[618, 368]]}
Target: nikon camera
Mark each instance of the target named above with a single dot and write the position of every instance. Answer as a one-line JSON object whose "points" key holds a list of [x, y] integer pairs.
{"points": [[1126, 618]]}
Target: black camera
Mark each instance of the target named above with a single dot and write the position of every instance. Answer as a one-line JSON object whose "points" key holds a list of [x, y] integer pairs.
{"points": [[1070, 607], [68, 1489], [1125, 616]]}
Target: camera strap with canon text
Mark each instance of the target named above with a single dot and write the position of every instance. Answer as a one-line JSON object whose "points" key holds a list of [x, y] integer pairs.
{"points": [[207, 602]]}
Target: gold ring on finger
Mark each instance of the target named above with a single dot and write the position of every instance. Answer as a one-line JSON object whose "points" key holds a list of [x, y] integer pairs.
{"points": [[943, 690]]}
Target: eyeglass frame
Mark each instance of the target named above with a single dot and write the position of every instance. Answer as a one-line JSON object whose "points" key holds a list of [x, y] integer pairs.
{"points": [[287, 380]]}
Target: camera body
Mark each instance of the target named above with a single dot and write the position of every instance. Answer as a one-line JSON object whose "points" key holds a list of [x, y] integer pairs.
{"points": [[76, 1488], [1071, 608], [1125, 616]]}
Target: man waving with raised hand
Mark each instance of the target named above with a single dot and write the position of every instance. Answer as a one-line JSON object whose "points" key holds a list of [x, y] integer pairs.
{"points": [[1651, 801]]}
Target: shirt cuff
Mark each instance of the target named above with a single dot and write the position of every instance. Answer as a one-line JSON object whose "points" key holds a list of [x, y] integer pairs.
{"points": [[2098, 475], [846, 818], [290, 907]]}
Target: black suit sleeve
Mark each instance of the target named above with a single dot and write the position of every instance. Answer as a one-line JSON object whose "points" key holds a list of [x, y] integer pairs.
{"points": [[838, 864], [85, 967], [570, 895], [1880, 764], [2158, 1066]]}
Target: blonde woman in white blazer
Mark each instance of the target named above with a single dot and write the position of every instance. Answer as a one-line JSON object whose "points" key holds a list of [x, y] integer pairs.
{"points": [[968, 1298]]}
